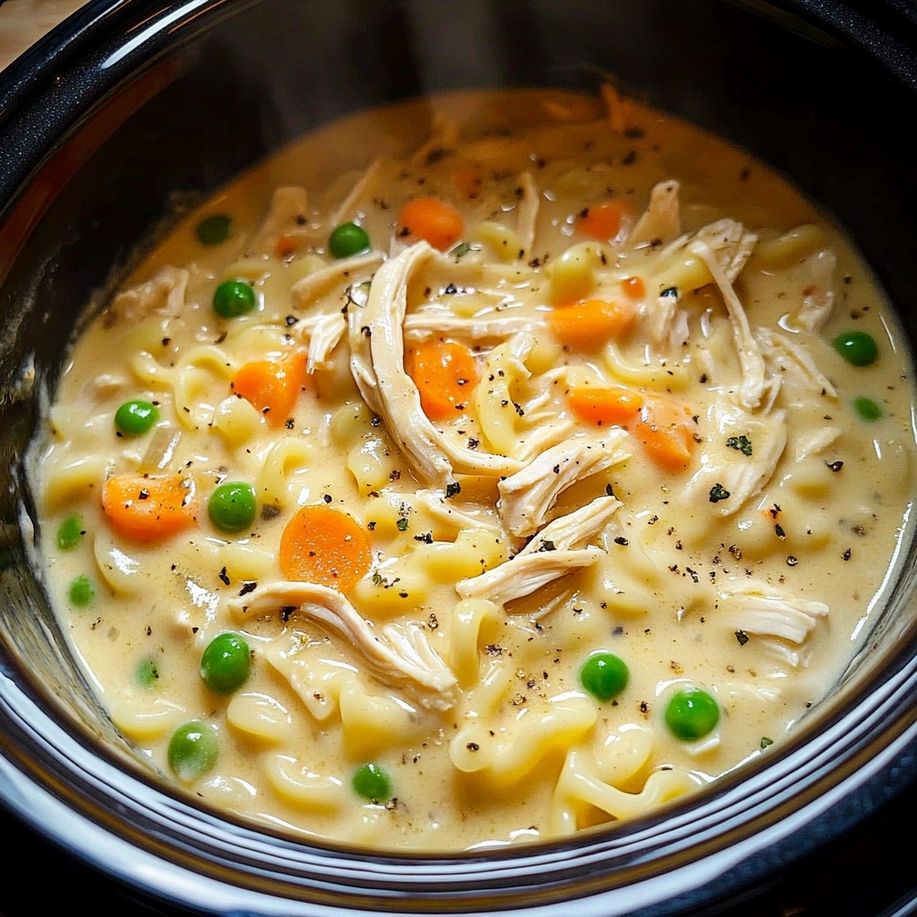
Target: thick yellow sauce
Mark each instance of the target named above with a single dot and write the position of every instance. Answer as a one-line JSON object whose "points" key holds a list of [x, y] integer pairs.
{"points": [[750, 568]]}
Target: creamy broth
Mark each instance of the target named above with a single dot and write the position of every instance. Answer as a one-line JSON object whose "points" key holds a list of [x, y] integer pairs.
{"points": [[582, 396]]}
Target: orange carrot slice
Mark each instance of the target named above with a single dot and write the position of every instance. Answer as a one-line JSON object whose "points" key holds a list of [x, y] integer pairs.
{"points": [[604, 222], [272, 386], [468, 180], [147, 507], [445, 375], [431, 219], [324, 545], [666, 431], [588, 325], [285, 246], [634, 287], [605, 406]]}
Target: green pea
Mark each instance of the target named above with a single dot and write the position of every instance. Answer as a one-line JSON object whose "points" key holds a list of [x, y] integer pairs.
{"points": [[233, 298], [371, 782], [148, 672], [214, 229], [867, 408], [691, 713], [136, 417], [81, 592], [857, 347], [232, 507], [226, 663], [193, 750], [604, 676], [70, 532], [348, 239]]}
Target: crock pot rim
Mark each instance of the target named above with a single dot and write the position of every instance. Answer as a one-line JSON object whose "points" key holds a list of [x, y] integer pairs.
{"points": [[93, 23]]}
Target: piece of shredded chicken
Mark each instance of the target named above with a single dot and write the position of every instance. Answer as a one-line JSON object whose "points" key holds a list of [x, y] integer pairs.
{"points": [[754, 384], [560, 547], [661, 221], [321, 333], [376, 337], [419, 326], [527, 496], [818, 298], [785, 621], [163, 294], [357, 193], [397, 654], [527, 211], [288, 215], [790, 359], [744, 468], [344, 270]]}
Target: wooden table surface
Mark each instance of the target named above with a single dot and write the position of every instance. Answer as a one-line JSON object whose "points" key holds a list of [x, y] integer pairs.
{"points": [[23, 22]]}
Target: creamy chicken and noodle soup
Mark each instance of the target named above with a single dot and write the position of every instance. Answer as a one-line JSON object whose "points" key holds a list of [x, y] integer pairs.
{"points": [[477, 471]]}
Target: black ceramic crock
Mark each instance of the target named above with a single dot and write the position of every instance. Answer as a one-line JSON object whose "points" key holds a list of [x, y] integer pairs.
{"points": [[133, 109]]}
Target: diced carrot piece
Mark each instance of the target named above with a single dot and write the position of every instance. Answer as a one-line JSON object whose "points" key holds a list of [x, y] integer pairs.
{"points": [[468, 180], [286, 245], [431, 219], [147, 507], [604, 222], [445, 375], [609, 406], [588, 325], [666, 431], [324, 545], [634, 287], [272, 386]]}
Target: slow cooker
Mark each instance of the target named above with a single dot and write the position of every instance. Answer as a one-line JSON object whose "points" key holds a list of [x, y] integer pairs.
{"points": [[132, 110]]}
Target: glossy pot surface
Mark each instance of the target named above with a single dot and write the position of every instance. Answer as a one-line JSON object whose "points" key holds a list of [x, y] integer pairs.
{"points": [[133, 109]]}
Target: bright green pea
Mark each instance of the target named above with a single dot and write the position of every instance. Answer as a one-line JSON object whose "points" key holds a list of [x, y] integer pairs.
{"points": [[148, 672], [604, 676], [136, 417], [214, 229], [691, 713], [70, 532], [233, 298], [81, 592], [348, 239], [193, 750], [371, 782], [867, 408], [225, 663], [232, 507], [857, 347]]}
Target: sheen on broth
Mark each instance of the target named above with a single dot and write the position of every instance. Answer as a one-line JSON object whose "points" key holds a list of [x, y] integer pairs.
{"points": [[478, 470]]}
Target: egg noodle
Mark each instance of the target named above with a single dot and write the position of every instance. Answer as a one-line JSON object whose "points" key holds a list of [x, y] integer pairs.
{"points": [[478, 470]]}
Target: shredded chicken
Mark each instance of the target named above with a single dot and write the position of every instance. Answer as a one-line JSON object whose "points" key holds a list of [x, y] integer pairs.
{"points": [[614, 107], [444, 135], [754, 383], [815, 442], [730, 242], [526, 496], [791, 358], [164, 294], [377, 365], [288, 215], [527, 211], [744, 468], [661, 221], [421, 325], [818, 299], [398, 654], [557, 549], [341, 271], [357, 193], [322, 333], [762, 611]]}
